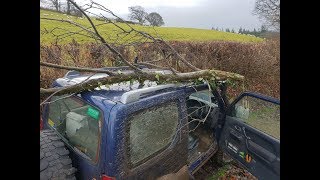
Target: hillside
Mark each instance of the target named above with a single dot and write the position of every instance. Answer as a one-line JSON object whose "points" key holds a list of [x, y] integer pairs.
{"points": [[109, 31]]}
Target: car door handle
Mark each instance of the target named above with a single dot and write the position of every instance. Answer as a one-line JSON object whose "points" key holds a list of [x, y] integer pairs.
{"points": [[245, 134], [236, 136], [260, 151], [238, 128]]}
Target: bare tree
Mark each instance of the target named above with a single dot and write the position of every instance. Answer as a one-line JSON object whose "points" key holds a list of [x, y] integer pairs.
{"points": [[75, 11], [127, 36], [137, 13], [68, 8], [269, 12], [45, 4], [56, 4], [155, 19]]}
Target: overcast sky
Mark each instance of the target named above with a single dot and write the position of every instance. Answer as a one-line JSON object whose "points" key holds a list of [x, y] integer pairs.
{"points": [[203, 14]]}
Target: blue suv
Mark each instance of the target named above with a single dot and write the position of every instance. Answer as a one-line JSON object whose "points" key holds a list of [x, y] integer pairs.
{"points": [[135, 130]]}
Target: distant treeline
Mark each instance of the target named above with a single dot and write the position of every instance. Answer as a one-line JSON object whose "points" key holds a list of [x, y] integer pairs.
{"points": [[80, 15], [62, 6], [262, 32]]}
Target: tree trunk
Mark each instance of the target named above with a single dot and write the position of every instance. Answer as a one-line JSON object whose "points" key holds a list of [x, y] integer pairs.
{"points": [[68, 7], [167, 78]]}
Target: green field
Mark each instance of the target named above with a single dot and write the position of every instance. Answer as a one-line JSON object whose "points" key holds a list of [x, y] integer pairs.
{"points": [[109, 31]]}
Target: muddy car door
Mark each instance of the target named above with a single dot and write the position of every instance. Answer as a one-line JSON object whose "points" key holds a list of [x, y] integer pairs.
{"points": [[151, 137], [251, 134]]}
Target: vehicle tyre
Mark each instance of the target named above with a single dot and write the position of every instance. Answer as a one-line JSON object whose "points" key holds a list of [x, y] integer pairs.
{"points": [[55, 162]]}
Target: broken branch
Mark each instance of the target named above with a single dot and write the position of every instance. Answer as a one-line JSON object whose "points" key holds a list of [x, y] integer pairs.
{"points": [[168, 78]]}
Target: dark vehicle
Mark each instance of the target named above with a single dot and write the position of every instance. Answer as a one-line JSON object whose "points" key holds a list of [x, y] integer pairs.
{"points": [[134, 131]]}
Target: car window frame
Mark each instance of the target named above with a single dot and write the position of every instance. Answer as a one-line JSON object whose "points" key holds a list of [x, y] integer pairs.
{"points": [[253, 95], [127, 134], [75, 150]]}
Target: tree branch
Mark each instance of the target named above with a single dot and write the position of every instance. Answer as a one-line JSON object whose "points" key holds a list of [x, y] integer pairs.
{"points": [[76, 68], [72, 23], [168, 78], [146, 35], [103, 40]]}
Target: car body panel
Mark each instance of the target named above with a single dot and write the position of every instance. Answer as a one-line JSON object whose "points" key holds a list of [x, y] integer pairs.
{"points": [[113, 159]]}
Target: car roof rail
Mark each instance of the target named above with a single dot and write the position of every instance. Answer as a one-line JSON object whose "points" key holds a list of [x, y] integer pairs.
{"points": [[134, 95], [121, 68], [72, 73]]}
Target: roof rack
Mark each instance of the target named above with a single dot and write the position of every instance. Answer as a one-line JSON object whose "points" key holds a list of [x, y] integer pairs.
{"points": [[72, 73]]}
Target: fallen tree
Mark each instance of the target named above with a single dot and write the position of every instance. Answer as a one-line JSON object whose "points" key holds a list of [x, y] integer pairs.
{"points": [[137, 74], [214, 75]]}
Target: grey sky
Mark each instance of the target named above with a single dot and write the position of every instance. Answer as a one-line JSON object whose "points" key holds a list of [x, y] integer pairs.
{"points": [[202, 14]]}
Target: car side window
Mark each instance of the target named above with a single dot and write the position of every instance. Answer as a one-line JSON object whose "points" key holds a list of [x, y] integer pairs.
{"points": [[78, 122], [260, 114], [152, 130]]}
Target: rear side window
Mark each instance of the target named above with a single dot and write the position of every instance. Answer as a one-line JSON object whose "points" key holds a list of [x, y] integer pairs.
{"points": [[152, 130], [78, 122]]}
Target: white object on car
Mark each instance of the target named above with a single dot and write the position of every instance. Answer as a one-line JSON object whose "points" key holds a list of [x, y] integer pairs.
{"points": [[75, 121]]}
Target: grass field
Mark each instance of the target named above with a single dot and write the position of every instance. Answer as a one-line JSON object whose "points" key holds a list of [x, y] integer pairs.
{"points": [[109, 31], [266, 119]]}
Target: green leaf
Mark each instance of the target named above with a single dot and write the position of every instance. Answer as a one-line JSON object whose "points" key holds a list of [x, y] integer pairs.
{"points": [[157, 77], [213, 85], [131, 82], [107, 85], [100, 84]]}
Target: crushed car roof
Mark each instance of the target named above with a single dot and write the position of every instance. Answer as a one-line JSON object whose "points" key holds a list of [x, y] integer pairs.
{"points": [[124, 92]]}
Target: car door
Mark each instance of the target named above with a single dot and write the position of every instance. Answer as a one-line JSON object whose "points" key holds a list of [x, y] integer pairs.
{"points": [[151, 137], [251, 134]]}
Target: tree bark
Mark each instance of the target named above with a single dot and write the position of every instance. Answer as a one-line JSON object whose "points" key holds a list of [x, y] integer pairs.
{"points": [[167, 78], [68, 8]]}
